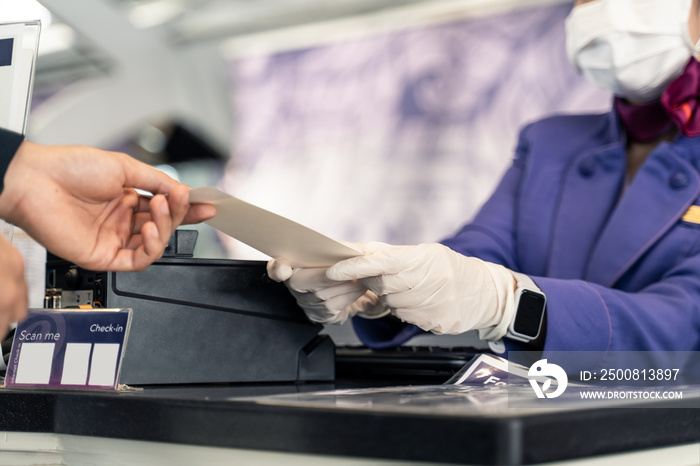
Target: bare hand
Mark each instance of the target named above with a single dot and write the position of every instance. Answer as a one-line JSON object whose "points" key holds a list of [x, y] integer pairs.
{"points": [[80, 203]]}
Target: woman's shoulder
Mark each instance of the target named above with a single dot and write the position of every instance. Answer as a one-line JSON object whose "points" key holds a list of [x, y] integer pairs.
{"points": [[570, 133], [575, 123]]}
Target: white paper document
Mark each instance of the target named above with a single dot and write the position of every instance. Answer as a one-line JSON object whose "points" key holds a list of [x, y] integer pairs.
{"points": [[270, 233]]}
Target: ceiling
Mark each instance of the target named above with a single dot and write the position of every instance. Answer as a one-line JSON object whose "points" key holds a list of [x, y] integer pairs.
{"points": [[179, 50], [196, 20], [67, 54]]}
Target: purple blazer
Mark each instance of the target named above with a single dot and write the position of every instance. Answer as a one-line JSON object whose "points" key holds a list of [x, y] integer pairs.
{"points": [[620, 266]]}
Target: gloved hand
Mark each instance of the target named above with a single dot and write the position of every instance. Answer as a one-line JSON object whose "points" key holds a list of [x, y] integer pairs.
{"points": [[323, 300], [434, 287]]}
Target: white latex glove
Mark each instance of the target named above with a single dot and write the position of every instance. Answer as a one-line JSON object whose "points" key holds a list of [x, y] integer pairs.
{"points": [[435, 288], [323, 300]]}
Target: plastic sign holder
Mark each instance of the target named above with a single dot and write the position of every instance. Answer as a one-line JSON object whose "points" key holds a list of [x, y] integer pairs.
{"points": [[69, 349]]}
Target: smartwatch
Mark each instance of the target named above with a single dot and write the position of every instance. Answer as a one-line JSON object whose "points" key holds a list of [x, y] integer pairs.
{"points": [[530, 305]]}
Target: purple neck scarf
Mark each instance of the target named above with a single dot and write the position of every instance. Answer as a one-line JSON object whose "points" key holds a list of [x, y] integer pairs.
{"points": [[678, 106]]}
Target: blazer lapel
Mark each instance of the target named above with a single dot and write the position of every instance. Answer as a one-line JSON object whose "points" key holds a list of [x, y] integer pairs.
{"points": [[663, 189], [591, 187]]}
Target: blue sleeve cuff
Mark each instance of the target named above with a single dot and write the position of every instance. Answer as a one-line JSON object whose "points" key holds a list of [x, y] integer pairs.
{"points": [[386, 332]]}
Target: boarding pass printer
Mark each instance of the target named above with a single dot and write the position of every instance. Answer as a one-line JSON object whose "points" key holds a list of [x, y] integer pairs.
{"points": [[201, 320]]}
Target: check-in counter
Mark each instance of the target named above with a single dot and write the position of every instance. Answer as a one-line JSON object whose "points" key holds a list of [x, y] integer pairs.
{"points": [[317, 424]]}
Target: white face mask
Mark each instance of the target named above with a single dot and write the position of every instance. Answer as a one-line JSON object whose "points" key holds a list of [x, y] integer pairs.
{"points": [[633, 48]]}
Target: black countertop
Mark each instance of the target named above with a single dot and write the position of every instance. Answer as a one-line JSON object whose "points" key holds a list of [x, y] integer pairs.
{"points": [[257, 417]]}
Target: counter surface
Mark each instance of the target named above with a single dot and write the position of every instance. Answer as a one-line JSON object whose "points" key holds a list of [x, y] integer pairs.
{"points": [[227, 416]]}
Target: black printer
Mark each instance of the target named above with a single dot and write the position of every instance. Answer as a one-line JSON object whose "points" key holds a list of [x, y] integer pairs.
{"points": [[201, 320]]}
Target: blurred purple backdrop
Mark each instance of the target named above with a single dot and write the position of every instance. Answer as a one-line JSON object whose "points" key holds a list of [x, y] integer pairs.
{"points": [[397, 136]]}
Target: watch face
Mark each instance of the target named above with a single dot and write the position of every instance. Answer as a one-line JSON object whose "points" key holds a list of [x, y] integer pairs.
{"points": [[529, 315]]}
